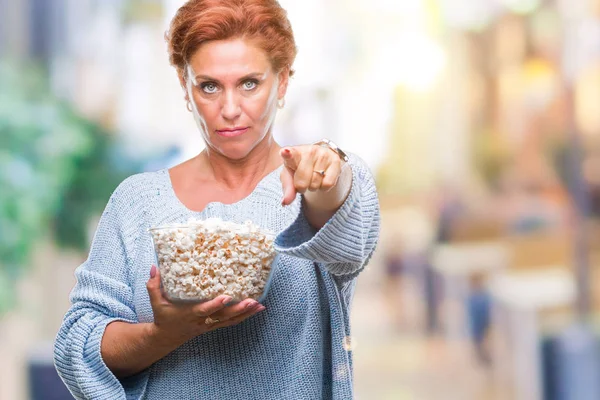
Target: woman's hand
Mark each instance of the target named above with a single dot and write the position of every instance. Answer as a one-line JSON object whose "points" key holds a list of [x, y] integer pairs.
{"points": [[308, 168], [178, 323], [318, 173]]}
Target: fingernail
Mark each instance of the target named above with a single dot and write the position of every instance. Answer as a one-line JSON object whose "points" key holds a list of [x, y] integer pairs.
{"points": [[261, 308], [226, 300], [251, 305], [286, 152], [153, 271]]}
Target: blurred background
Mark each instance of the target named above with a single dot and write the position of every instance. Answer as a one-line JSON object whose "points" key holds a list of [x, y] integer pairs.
{"points": [[480, 120]]}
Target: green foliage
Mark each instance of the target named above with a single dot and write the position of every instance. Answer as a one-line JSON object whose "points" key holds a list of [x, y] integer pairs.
{"points": [[54, 171], [94, 179]]}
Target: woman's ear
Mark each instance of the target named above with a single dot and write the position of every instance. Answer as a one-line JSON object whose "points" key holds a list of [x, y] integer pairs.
{"points": [[183, 83], [284, 77]]}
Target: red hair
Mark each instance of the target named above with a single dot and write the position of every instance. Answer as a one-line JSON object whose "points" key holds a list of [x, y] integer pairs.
{"points": [[264, 22]]}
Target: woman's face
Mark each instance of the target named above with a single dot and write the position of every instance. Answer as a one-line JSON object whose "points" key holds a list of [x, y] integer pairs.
{"points": [[234, 92]]}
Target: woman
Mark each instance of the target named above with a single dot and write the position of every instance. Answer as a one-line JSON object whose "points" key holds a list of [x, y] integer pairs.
{"points": [[122, 339]]}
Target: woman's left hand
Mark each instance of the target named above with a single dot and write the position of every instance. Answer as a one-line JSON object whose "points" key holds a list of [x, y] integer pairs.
{"points": [[308, 167]]}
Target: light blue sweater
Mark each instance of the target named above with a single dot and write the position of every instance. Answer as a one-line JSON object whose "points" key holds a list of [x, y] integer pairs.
{"points": [[295, 349]]}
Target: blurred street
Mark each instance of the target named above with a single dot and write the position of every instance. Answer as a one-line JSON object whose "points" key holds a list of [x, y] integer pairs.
{"points": [[401, 363], [480, 121]]}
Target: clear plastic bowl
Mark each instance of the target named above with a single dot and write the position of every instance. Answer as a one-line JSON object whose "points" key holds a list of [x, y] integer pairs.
{"points": [[197, 263]]}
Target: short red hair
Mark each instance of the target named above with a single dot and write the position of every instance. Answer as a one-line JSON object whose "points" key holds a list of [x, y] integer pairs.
{"points": [[264, 22]]}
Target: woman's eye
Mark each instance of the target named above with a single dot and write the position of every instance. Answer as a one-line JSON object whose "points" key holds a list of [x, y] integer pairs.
{"points": [[249, 85], [209, 88]]}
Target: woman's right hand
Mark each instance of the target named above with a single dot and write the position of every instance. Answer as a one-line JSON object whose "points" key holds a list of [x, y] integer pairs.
{"points": [[178, 323]]}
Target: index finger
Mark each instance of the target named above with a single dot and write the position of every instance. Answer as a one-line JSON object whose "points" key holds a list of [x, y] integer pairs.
{"points": [[291, 157]]}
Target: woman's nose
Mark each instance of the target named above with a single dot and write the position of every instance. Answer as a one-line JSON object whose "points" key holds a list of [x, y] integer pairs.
{"points": [[231, 108]]}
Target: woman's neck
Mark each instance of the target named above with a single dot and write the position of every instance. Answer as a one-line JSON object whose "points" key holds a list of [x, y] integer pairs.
{"points": [[244, 173]]}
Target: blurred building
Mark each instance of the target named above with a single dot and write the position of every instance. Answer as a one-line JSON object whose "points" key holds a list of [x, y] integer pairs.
{"points": [[481, 120]]}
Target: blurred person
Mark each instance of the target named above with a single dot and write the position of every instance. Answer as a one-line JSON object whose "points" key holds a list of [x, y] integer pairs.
{"points": [[591, 175], [122, 339], [479, 313], [450, 208], [432, 295], [393, 285]]}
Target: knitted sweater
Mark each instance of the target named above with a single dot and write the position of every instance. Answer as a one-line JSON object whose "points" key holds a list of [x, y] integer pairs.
{"points": [[295, 349]]}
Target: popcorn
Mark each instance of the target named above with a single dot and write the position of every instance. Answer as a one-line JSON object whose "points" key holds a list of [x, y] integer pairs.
{"points": [[203, 259]]}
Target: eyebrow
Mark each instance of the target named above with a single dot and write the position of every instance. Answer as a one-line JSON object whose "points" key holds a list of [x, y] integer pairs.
{"points": [[256, 75]]}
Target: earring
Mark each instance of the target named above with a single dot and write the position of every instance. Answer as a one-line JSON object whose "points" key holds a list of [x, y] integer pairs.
{"points": [[281, 103], [189, 106]]}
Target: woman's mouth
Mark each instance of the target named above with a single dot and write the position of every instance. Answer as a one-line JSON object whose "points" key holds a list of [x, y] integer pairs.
{"points": [[232, 132]]}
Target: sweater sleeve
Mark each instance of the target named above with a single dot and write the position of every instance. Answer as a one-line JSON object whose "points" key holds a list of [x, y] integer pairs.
{"points": [[101, 295], [347, 241]]}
